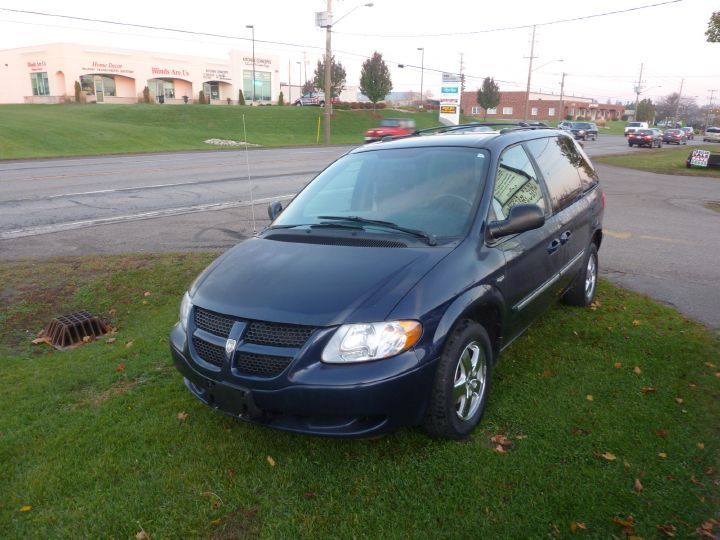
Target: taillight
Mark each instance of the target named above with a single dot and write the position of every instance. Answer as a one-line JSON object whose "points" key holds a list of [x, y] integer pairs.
{"points": [[648, 137]]}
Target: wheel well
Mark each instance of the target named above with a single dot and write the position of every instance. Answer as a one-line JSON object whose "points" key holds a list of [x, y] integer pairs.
{"points": [[597, 238], [488, 315]]}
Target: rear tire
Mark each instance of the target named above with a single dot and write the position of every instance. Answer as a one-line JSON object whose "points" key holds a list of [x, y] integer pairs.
{"points": [[582, 290], [462, 383]]}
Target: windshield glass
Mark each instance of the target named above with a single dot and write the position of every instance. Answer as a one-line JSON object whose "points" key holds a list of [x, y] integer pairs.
{"points": [[431, 189], [635, 124], [389, 122]]}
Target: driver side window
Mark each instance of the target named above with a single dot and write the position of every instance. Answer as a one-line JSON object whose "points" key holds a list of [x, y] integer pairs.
{"points": [[515, 183]]}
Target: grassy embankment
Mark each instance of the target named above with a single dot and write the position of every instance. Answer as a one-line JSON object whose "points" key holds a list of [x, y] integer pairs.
{"points": [[666, 160], [28, 131], [611, 413]]}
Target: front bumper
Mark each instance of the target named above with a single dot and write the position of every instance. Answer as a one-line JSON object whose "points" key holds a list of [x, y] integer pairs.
{"points": [[354, 401]]}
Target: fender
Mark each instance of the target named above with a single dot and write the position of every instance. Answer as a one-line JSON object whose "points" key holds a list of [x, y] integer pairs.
{"points": [[466, 302]]}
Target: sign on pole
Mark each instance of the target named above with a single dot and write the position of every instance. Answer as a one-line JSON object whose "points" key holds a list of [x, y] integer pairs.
{"points": [[450, 99]]}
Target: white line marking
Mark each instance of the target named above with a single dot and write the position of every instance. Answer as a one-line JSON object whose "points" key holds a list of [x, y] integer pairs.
{"points": [[72, 225]]}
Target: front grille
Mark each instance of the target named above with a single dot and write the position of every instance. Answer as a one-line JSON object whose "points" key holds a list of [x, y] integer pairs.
{"points": [[213, 322], [277, 335], [261, 364], [211, 353]]}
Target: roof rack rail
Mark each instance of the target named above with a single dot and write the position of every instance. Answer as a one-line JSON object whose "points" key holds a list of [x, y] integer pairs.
{"points": [[509, 126]]}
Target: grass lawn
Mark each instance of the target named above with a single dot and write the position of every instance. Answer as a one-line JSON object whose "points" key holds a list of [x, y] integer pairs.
{"points": [[666, 160], [611, 413], [28, 131]]}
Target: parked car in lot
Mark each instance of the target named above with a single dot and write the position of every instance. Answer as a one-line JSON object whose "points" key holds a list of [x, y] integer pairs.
{"points": [[712, 134], [674, 136], [689, 132], [383, 294], [390, 127], [310, 99], [583, 130], [632, 127], [565, 125], [646, 137]]}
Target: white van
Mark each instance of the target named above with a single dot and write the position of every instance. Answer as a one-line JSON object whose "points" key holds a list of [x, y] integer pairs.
{"points": [[712, 134], [632, 127]]}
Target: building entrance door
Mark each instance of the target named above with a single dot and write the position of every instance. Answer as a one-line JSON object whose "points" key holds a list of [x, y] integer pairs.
{"points": [[99, 90]]}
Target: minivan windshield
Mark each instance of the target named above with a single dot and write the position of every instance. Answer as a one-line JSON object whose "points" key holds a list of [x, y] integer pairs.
{"points": [[430, 189]]}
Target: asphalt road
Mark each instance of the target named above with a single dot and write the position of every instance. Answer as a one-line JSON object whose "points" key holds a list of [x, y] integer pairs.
{"points": [[660, 238]]}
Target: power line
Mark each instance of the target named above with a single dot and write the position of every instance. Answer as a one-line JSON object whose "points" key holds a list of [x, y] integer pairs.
{"points": [[506, 28]]}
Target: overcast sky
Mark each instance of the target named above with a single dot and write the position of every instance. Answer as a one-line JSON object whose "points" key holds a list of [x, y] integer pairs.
{"points": [[601, 55]]}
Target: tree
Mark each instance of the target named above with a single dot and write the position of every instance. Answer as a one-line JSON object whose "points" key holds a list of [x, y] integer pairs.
{"points": [[201, 97], [241, 98], [646, 111], [281, 99], [337, 77], [488, 96], [713, 31], [308, 87], [375, 80], [77, 91], [146, 95]]}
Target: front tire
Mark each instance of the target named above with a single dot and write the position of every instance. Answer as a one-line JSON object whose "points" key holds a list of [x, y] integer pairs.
{"points": [[462, 383], [582, 290]]}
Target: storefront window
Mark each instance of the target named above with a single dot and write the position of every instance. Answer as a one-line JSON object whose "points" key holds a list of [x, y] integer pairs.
{"points": [[263, 88], [87, 85], [102, 83], [40, 86], [162, 87], [212, 89]]}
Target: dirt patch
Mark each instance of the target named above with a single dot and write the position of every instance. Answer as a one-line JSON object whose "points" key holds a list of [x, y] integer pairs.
{"points": [[713, 205], [240, 523], [118, 388]]}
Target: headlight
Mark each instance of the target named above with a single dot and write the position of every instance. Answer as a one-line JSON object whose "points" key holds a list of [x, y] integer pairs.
{"points": [[581, 131], [185, 307], [372, 341]]}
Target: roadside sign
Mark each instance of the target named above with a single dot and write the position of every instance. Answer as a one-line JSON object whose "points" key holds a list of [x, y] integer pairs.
{"points": [[700, 158], [449, 99]]}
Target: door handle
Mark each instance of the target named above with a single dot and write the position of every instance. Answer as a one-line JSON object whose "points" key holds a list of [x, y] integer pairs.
{"points": [[564, 237], [553, 246]]}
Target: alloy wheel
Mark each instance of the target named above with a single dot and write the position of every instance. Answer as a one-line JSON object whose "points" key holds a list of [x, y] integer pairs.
{"points": [[469, 381]]}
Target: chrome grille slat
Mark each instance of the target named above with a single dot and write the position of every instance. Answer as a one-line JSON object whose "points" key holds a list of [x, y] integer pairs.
{"points": [[209, 352], [277, 335]]}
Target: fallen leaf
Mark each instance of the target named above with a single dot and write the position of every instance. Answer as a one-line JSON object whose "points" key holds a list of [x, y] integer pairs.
{"points": [[710, 364], [86, 339], [627, 522], [706, 529], [182, 416], [142, 535], [684, 411], [310, 494], [230, 473], [636, 323], [692, 385], [547, 373], [617, 365], [661, 433], [663, 455], [271, 461], [638, 486], [710, 471], [38, 341], [500, 449], [608, 456], [695, 480], [147, 293], [589, 397], [217, 521], [108, 341], [521, 437], [679, 399], [717, 374], [128, 344], [121, 367], [501, 440], [637, 370], [646, 389], [701, 446], [145, 302], [26, 508], [668, 530]]}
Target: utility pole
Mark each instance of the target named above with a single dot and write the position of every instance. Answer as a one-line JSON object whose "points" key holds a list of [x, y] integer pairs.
{"points": [[422, 74], [527, 94], [562, 95], [707, 116], [328, 69], [677, 105], [638, 90]]}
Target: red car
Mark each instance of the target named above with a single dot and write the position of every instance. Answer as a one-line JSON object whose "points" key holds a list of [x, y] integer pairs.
{"points": [[646, 137], [390, 127]]}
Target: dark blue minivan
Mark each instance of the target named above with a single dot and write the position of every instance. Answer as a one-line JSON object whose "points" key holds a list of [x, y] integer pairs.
{"points": [[383, 294]]}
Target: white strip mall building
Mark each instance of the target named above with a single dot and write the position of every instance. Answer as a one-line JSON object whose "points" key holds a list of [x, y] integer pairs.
{"points": [[47, 74]]}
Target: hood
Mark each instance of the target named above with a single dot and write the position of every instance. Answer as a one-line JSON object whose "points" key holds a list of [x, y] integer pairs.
{"points": [[318, 285]]}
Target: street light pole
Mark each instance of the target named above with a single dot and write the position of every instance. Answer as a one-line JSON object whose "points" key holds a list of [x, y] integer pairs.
{"points": [[328, 80], [530, 69], [300, 76], [677, 105], [252, 27], [562, 95], [422, 73]]}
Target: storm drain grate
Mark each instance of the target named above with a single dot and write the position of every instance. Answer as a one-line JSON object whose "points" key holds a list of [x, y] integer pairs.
{"points": [[70, 330]]}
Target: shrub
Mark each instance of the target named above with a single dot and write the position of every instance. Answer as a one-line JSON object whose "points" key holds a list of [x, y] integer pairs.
{"points": [[367, 105], [77, 91], [201, 97], [354, 105], [146, 95], [281, 99], [381, 105], [342, 106], [241, 98]]}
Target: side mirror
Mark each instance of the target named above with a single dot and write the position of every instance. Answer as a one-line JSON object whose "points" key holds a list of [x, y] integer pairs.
{"points": [[523, 217], [274, 209]]}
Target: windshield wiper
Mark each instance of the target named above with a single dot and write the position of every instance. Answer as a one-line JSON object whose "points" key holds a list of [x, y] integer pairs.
{"points": [[429, 238]]}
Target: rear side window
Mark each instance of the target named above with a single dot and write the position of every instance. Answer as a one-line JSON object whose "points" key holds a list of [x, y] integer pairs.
{"points": [[515, 183], [559, 162]]}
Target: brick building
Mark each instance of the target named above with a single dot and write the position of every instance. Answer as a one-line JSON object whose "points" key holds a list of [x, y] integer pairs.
{"points": [[542, 107]]}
